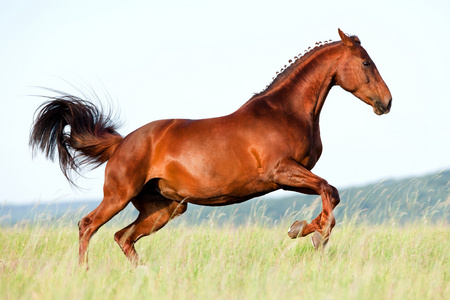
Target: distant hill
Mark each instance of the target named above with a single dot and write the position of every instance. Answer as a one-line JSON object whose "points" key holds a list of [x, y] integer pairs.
{"points": [[425, 198]]}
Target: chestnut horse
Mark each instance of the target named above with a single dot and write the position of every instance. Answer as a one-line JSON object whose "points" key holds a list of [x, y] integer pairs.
{"points": [[271, 142]]}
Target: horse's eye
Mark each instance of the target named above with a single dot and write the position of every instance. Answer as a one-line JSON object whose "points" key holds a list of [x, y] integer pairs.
{"points": [[367, 63]]}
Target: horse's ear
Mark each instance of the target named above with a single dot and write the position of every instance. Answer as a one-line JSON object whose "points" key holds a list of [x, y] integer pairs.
{"points": [[345, 39]]}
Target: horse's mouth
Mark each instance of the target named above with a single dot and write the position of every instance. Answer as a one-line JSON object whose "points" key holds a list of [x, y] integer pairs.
{"points": [[379, 109]]}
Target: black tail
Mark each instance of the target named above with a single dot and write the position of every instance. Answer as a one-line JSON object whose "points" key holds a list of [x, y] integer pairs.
{"points": [[77, 129]]}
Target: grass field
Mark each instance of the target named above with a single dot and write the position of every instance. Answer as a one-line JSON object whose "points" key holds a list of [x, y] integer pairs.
{"points": [[256, 261]]}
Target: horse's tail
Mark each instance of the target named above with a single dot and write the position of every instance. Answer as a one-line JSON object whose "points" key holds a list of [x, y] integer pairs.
{"points": [[78, 130]]}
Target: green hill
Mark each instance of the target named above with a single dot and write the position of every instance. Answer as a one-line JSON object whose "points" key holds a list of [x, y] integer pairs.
{"points": [[425, 198]]}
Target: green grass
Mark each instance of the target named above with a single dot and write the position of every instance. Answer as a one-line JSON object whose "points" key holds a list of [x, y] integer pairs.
{"points": [[226, 262]]}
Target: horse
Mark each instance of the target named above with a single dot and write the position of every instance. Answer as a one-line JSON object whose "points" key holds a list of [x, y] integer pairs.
{"points": [[271, 142]]}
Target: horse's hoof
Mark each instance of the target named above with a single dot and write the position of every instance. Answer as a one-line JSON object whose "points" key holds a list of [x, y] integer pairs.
{"points": [[318, 241], [296, 229]]}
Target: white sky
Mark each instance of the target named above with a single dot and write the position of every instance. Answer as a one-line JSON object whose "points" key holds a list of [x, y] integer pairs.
{"points": [[197, 59]]}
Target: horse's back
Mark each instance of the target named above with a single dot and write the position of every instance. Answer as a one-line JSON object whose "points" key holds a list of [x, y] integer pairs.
{"points": [[197, 159]]}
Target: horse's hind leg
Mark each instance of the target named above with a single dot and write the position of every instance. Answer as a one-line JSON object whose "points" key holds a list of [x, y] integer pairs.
{"points": [[155, 211], [89, 225], [116, 198]]}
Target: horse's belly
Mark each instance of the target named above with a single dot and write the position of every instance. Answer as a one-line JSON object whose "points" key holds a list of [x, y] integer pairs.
{"points": [[215, 199], [215, 190]]}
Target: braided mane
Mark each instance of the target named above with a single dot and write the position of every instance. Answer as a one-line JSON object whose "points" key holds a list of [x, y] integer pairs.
{"points": [[293, 63]]}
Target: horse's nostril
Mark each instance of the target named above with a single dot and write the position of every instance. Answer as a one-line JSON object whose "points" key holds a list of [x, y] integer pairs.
{"points": [[389, 104]]}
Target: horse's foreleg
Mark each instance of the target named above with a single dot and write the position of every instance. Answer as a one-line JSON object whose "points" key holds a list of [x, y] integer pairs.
{"points": [[292, 176], [318, 222]]}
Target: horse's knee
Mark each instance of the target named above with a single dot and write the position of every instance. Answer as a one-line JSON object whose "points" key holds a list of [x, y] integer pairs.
{"points": [[335, 199], [325, 188], [328, 193]]}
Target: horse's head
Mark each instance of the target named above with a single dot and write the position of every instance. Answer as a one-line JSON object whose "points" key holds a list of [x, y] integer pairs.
{"points": [[357, 73]]}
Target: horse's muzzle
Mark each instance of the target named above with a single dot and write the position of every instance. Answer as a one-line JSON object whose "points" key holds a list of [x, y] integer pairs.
{"points": [[380, 109]]}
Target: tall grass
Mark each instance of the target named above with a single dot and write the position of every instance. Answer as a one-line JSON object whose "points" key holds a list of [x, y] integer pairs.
{"points": [[214, 258], [226, 262]]}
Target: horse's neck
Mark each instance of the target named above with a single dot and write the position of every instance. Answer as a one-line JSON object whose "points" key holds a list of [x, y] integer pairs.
{"points": [[305, 90]]}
